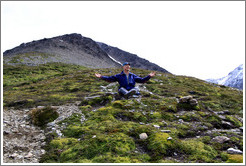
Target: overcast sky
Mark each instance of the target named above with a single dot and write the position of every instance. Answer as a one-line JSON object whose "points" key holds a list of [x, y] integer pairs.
{"points": [[203, 39]]}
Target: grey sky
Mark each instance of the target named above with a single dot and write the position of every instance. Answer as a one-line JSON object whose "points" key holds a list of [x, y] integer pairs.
{"points": [[203, 39]]}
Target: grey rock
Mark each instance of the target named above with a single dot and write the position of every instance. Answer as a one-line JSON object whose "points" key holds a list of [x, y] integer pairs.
{"points": [[193, 102], [234, 151], [156, 126], [225, 112], [169, 138], [143, 136], [185, 99], [29, 155], [166, 131], [220, 139], [226, 125]]}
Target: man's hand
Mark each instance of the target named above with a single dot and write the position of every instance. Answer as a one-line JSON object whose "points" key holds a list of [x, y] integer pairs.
{"points": [[98, 75], [152, 74]]}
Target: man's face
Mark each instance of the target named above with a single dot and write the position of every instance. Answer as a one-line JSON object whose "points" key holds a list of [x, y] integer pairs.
{"points": [[126, 67]]}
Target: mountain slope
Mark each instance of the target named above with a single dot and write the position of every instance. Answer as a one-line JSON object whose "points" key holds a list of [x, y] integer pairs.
{"points": [[74, 49], [233, 79], [177, 119], [135, 61], [71, 49]]}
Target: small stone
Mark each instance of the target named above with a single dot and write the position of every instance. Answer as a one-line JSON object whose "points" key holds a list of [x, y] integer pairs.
{"points": [[166, 131], [51, 124], [169, 138], [143, 136], [164, 122], [19, 156], [29, 155], [241, 129], [156, 126], [193, 102], [181, 120], [225, 112], [234, 151], [42, 151], [40, 107], [141, 123], [226, 125], [220, 139], [222, 117], [13, 155], [94, 136]]}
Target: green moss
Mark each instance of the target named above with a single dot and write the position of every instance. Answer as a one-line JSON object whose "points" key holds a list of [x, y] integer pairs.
{"points": [[235, 159], [187, 106], [41, 117], [160, 145], [215, 121], [234, 121], [198, 151], [62, 143], [73, 131], [117, 143], [95, 101], [191, 116], [109, 158], [167, 161], [206, 139], [111, 130], [86, 110], [156, 115], [119, 104], [224, 156]]}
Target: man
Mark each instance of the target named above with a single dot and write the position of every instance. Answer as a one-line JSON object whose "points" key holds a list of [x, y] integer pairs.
{"points": [[127, 80]]}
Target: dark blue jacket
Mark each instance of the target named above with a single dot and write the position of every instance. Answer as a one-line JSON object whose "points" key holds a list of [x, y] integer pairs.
{"points": [[122, 80]]}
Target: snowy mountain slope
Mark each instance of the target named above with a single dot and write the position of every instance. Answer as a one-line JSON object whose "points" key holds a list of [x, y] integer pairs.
{"points": [[233, 79]]}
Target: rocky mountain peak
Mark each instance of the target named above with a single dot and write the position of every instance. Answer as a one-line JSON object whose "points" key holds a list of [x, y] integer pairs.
{"points": [[74, 49], [233, 79]]}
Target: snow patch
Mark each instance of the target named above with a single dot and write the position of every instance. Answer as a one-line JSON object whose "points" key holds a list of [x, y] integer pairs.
{"points": [[114, 59]]}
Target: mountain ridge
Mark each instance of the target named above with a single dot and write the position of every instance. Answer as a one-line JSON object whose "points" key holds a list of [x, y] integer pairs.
{"points": [[234, 79], [123, 56], [74, 49]]}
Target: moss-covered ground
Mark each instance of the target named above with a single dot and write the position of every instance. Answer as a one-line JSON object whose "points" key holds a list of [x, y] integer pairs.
{"points": [[111, 131]]}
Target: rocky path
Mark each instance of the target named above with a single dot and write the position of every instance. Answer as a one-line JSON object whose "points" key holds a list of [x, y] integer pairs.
{"points": [[22, 141]]}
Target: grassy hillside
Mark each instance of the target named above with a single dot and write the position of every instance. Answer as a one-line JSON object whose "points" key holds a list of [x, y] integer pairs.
{"points": [[110, 133]]}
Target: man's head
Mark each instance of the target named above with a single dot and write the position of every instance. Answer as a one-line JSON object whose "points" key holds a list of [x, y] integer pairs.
{"points": [[126, 66]]}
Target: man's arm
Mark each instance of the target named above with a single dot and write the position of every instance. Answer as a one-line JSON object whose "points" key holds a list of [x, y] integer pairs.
{"points": [[145, 79], [106, 78]]}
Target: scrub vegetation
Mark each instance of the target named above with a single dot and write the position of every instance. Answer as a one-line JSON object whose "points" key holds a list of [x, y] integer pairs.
{"points": [[176, 132]]}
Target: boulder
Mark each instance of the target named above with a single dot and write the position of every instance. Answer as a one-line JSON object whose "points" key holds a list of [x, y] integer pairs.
{"points": [[185, 99]]}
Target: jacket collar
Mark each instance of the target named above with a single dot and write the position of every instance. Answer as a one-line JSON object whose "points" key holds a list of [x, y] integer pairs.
{"points": [[122, 73]]}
